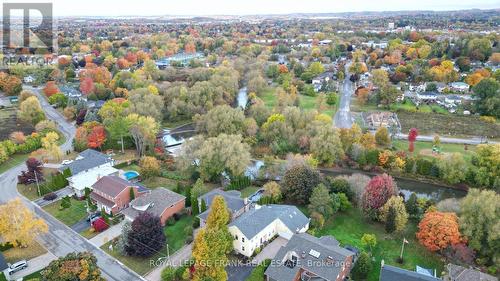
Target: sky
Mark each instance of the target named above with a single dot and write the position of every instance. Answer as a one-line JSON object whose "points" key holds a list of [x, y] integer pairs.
{"points": [[250, 7]]}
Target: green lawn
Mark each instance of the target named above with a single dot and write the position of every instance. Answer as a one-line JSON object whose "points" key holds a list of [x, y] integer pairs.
{"points": [[2, 277], [306, 102], [175, 239], [31, 191], [424, 148], [349, 227], [13, 161], [247, 191], [71, 215]]}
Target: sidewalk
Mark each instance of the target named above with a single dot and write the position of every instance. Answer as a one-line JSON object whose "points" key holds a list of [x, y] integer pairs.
{"points": [[108, 235], [34, 265]]}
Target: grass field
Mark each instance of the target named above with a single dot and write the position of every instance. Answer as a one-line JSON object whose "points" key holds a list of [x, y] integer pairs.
{"points": [[13, 161], [422, 147], [305, 102], [68, 216], [37, 275], [448, 125], [10, 123], [349, 227], [175, 239], [247, 191]]}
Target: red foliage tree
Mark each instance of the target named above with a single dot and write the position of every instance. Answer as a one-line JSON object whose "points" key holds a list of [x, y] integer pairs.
{"points": [[50, 88], [97, 137], [122, 63], [33, 174], [412, 137], [131, 57], [146, 236], [87, 86], [438, 230], [378, 190]]}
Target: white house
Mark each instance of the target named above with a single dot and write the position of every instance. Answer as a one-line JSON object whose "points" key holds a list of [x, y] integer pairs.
{"points": [[427, 96], [257, 226], [28, 79], [88, 167], [459, 86]]}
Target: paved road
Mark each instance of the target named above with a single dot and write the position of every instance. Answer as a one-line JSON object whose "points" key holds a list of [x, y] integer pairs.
{"points": [[343, 117], [61, 240]]}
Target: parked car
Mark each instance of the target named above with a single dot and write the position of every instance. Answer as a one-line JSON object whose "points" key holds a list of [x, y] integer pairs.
{"points": [[66, 162], [92, 217], [20, 265]]}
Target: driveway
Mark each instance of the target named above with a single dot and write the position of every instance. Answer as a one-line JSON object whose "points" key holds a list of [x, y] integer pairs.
{"points": [[60, 194], [81, 225], [108, 235], [270, 251], [238, 273], [61, 240], [34, 265]]}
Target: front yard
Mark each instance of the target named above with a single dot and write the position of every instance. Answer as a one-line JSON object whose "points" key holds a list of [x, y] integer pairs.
{"points": [[176, 239], [13, 255], [75, 213], [349, 227]]}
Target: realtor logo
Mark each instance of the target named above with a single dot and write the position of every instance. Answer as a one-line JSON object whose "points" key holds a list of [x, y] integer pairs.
{"points": [[28, 28]]}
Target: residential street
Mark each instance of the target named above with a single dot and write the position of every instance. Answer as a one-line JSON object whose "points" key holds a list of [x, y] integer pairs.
{"points": [[343, 117], [61, 240]]}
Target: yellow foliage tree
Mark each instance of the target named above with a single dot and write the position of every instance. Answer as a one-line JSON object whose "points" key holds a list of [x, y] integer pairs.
{"points": [[18, 225], [49, 145]]}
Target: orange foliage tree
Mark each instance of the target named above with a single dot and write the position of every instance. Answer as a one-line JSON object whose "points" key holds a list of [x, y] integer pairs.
{"points": [[87, 86], [50, 88], [438, 230], [97, 137]]}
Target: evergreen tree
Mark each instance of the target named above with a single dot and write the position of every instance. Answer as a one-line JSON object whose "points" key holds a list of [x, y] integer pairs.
{"points": [[390, 224], [362, 267], [194, 206], [188, 195], [203, 206], [412, 206], [132, 193]]}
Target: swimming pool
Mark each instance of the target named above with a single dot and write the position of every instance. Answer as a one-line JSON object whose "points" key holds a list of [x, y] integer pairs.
{"points": [[131, 175]]}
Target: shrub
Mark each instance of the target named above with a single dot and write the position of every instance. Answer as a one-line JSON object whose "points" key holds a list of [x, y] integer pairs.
{"points": [[171, 221], [362, 267], [424, 166]]}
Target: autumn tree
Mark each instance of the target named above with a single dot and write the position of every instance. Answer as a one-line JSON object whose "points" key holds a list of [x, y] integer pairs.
{"points": [[379, 189], [31, 111], [437, 231], [369, 240], [452, 167], [143, 130], [149, 166], [298, 183], [113, 114], [215, 155], [400, 216], [146, 236], [18, 224], [273, 190], [382, 137], [87, 86], [221, 119], [96, 137], [213, 243], [50, 88], [480, 221], [74, 266], [50, 146], [34, 172], [326, 146]]}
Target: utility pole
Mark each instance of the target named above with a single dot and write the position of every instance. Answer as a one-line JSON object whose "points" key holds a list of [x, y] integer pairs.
{"points": [[37, 184]]}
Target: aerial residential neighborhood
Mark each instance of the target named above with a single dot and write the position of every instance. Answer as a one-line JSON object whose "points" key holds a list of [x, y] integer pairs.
{"points": [[261, 140]]}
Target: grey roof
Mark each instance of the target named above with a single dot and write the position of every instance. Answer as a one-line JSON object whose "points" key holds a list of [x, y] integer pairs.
{"points": [[155, 202], [87, 159], [460, 273], [233, 200], [3, 263], [255, 220], [392, 273], [326, 266]]}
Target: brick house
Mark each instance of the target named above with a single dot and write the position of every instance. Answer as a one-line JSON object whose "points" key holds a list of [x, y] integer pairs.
{"points": [[160, 202], [306, 257], [112, 193]]}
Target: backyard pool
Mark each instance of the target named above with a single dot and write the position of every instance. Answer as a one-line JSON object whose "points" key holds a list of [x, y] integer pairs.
{"points": [[131, 175]]}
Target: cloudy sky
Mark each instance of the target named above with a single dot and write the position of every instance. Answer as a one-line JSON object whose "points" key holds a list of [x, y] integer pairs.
{"points": [[246, 7]]}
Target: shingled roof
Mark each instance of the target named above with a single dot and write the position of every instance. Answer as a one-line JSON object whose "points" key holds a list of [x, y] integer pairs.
{"points": [[460, 273], [86, 160], [255, 220], [392, 273], [155, 202], [321, 257]]}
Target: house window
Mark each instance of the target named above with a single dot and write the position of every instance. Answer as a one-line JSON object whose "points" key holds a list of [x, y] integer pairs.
{"points": [[242, 239], [243, 248], [236, 237]]}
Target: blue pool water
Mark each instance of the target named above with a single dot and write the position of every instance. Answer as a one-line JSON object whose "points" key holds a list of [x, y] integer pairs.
{"points": [[131, 175]]}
